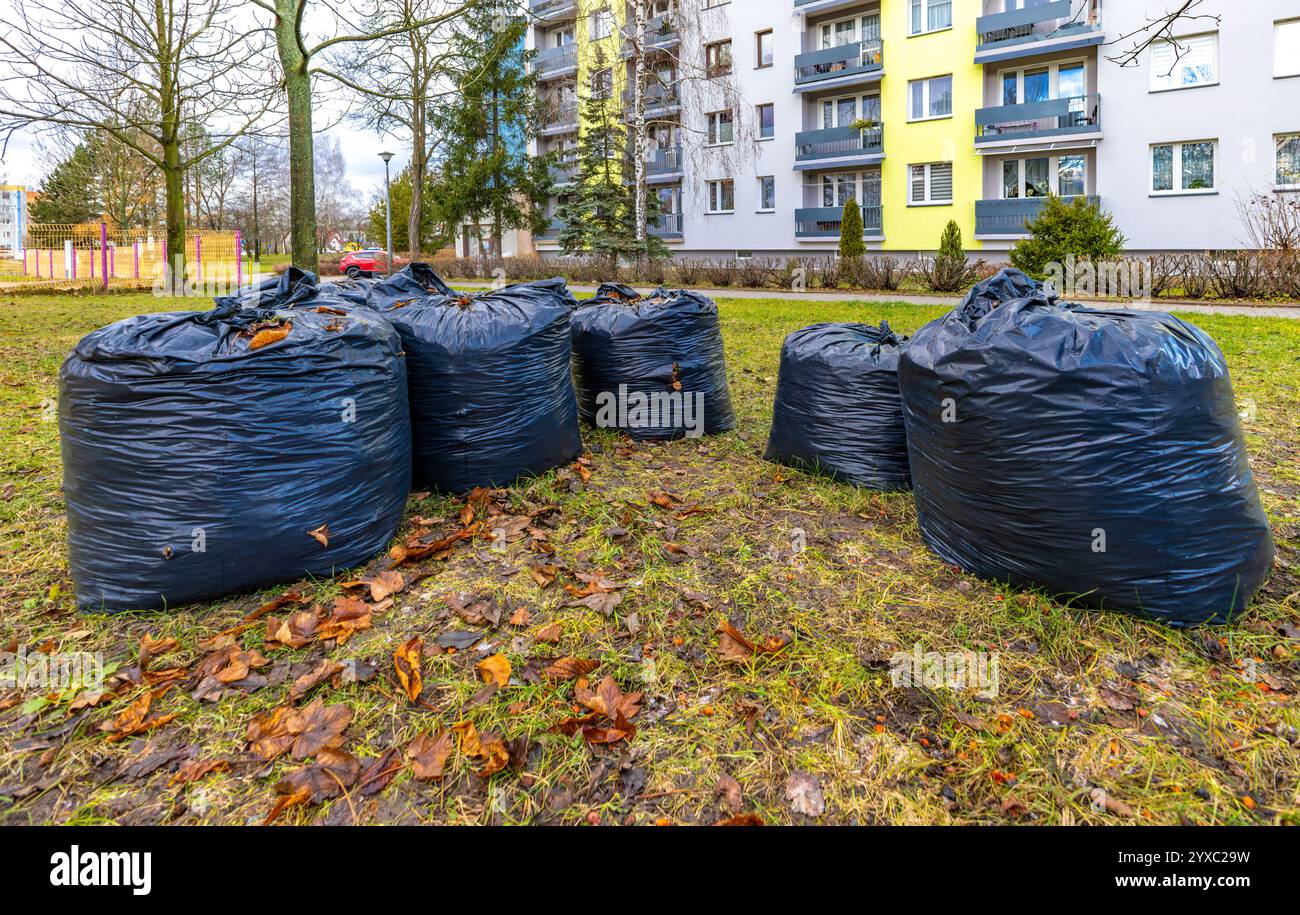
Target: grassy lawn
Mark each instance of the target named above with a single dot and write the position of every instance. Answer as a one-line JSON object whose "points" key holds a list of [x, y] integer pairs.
{"points": [[1099, 718]]}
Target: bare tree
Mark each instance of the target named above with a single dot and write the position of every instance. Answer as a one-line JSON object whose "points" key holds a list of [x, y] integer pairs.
{"points": [[299, 61], [399, 78], [137, 71], [1164, 27]]}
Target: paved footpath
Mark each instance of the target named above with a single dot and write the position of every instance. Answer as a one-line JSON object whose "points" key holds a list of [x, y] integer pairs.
{"points": [[1271, 311]]}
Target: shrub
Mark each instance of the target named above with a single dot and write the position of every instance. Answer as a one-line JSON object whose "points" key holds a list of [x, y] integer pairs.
{"points": [[1193, 276], [949, 270], [887, 273], [1237, 275], [1079, 228], [851, 244], [720, 273]]}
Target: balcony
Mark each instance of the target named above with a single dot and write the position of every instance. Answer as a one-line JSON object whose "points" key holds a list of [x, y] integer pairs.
{"points": [[670, 226], [560, 118], [1052, 121], [553, 10], [814, 7], [552, 231], [815, 223], [664, 165], [564, 173], [1059, 25], [659, 100], [1007, 218], [852, 64], [839, 146], [660, 33], [553, 63]]}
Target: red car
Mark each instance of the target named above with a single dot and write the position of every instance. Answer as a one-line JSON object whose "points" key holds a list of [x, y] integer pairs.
{"points": [[366, 262]]}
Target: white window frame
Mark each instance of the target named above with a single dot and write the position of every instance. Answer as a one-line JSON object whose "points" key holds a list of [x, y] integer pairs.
{"points": [[731, 58], [760, 208], [709, 187], [858, 99], [1291, 27], [1053, 78], [1177, 175], [1053, 174], [1277, 150], [822, 34], [927, 202], [924, 6], [925, 82], [600, 23], [1162, 75], [713, 133], [861, 181]]}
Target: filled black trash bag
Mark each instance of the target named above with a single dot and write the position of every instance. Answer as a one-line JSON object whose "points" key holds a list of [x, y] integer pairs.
{"points": [[651, 367], [292, 288], [199, 459], [838, 410], [491, 396], [1091, 452], [413, 281]]}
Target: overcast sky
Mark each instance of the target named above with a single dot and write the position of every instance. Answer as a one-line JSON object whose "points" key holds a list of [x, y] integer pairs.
{"points": [[20, 163]]}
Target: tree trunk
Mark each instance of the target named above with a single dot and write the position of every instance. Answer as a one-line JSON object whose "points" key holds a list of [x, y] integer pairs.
{"points": [[638, 124], [302, 183], [174, 182], [496, 171]]}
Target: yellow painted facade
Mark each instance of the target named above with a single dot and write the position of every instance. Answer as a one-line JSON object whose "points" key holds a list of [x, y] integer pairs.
{"points": [[951, 139]]}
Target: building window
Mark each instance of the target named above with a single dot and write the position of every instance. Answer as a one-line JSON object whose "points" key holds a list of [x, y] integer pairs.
{"points": [[930, 184], [763, 49], [1185, 63], [1041, 176], [930, 98], [721, 128], [931, 16], [722, 196], [766, 121], [601, 23], [1286, 48], [1288, 162], [766, 194], [717, 58], [1183, 168]]}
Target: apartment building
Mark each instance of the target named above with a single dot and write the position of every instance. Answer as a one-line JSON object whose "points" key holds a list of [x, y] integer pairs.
{"points": [[13, 219], [767, 118]]}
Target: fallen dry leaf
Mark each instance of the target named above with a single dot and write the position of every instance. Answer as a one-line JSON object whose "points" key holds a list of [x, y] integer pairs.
{"points": [[804, 792], [151, 648], [735, 647], [428, 755], [495, 669], [550, 633], [321, 534], [406, 660], [269, 335], [570, 668], [313, 678]]}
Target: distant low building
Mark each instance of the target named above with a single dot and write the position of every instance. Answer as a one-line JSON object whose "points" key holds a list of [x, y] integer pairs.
{"points": [[13, 218]]}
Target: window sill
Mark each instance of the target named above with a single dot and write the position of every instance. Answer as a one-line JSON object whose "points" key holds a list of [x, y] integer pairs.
{"points": [[1286, 76], [1209, 192], [946, 28], [719, 145], [766, 211], [763, 67], [1183, 88], [765, 139], [933, 117], [719, 212], [932, 203], [1286, 189]]}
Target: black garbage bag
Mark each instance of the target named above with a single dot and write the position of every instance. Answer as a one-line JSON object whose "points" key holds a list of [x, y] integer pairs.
{"points": [[491, 396], [292, 288], [652, 367], [838, 410], [1092, 452], [413, 281], [210, 453]]}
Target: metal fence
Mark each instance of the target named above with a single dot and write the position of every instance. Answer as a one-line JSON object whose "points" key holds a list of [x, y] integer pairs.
{"points": [[96, 254]]}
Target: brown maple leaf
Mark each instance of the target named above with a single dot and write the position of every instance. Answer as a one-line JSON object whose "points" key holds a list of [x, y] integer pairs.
{"points": [[406, 660], [428, 755]]}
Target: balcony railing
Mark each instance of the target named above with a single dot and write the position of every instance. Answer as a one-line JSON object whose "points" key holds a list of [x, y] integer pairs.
{"points": [[560, 115], [824, 222], [564, 172], [1022, 31], [864, 58], [660, 32], [555, 60], [553, 230], [670, 226], [1039, 120], [839, 143], [656, 96], [662, 162], [550, 10], [1008, 217]]}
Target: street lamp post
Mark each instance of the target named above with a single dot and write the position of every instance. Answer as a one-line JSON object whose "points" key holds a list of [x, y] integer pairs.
{"points": [[388, 210]]}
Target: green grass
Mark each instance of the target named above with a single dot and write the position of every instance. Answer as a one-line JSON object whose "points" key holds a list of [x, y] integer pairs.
{"points": [[1205, 744]]}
